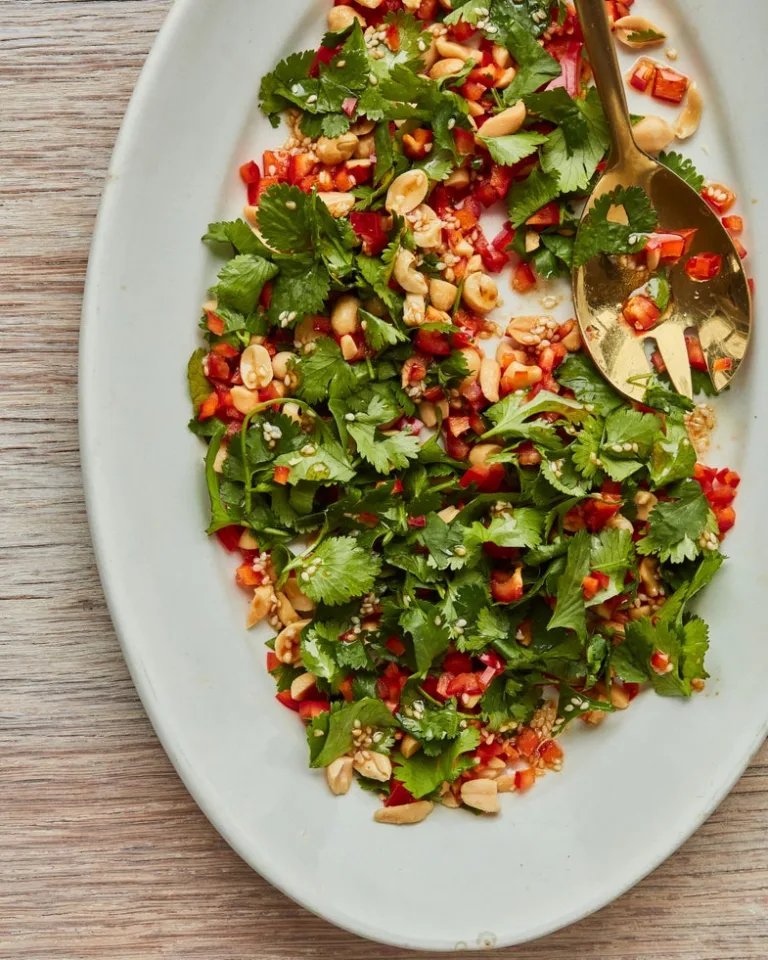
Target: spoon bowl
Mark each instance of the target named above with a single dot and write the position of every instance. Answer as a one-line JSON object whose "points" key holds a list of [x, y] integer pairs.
{"points": [[718, 311]]}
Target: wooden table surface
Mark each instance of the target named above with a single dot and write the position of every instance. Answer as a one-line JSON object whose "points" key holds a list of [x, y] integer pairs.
{"points": [[102, 852]]}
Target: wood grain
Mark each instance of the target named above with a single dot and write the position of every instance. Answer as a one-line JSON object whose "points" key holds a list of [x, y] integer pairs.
{"points": [[102, 853]]}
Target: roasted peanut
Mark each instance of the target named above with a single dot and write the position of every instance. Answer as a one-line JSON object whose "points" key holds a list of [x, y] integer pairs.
{"points": [[338, 773], [501, 56], [244, 399], [450, 50], [506, 78], [302, 685], [407, 275], [256, 367], [341, 17], [280, 363], [339, 204], [344, 315], [619, 522], [404, 813], [442, 294], [427, 226], [689, 120], [409, 745], [647, 569], [506, 122], [473, 359], [490, 378], [299, 601], [428, 413], [260, 605], [373, 766], [518, 376], [448, 514], [414, 309], [285, 612], [653, 134], [287, 642], [348, 347], [247, 541], [481, 795], [506, 352], [480, 292], [336, 150], [645, 502], [530, 331], [482, 451], [406, 192], [627, 27], [459, 178], [446, 68]]}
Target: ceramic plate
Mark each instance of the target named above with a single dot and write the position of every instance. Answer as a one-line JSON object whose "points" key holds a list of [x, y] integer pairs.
{"points": [[633, 789]]}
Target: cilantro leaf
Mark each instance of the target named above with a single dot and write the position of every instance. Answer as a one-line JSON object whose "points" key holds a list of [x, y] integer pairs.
{"points": [[199, 387], [422, 775], [430, 635], [675, 527], [512, 149], [301, 287], [511, 415], [379, 334], [520, 528], [442, 540], [387, 453], [338, 726], [570, 610], [598, 235], [283, 219], [529, 195], [683, 167], [287, 84], [508, 701], [573, 150], [323, 367], [235, 235], [241, 281], [578, 373], [326, 465], [673, 457], [432, 725], [338, 570], [612, 553]]}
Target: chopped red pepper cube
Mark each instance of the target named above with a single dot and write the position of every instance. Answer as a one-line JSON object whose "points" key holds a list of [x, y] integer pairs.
{"points": [[507, 587], [720, 198], [641, 313], [281, 475], [669, 85], [229, 537], [643, 74], [704, 266]]}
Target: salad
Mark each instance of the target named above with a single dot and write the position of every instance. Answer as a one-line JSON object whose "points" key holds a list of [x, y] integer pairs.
{"points": [[461, 537]]}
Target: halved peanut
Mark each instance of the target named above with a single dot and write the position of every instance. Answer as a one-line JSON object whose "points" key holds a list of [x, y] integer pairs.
{"points": [[448, 514], [619, 522], [366, 147], [221, 455], [247, 541], [473, 360], [373, 766], [501, 56], [530, 331], [653, 134], [506, 122], [427, 227], [490, 378], [287, 642], [506, 78], [619, 697], [532, 241], [337, 149], [480, 292], [292, 411], [302, 685], [256, 367], [344, 315], [341, 17], [459, 178], [414, 309], [446, 68], [285, 612], [689, 120], [407, 275], [338, 774], [348, 347], [363, 126], [244, 399], [404, 813], [645, 502], [648, 576], [450, 50], [474, 264], [481, 795], [409, 745], [505, 783], [482, 451], [627, 27], [260, 605], [280, 363], [428, 413], [442, 294], [339, 204], [572, 340], [518, 376], [406, 192], [506, 352], [304, 331], [299, 601]]}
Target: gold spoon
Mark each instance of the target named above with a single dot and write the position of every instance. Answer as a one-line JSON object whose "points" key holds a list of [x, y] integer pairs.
{"points": [[720, 309]]}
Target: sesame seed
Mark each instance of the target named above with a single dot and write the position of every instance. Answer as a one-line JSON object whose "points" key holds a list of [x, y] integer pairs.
{"points": [[290, 204]]}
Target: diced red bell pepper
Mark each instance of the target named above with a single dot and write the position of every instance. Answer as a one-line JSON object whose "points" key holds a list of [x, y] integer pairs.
{"points": [[527, 742], [722, 496], [551, 753], [250, 173], [597, 513], [733, 224], [696, 356], [417, 143], [427, 10], [246, 576], [416, 523], [456, 448], [641, 313], [395, 645], [229, 537], [488, 477], [272, 661], [309, 709], [704, 266], [568, 54], [287, 700], [523, 278], [457, 425], [590, 587], [464, 140], [461, 31], [223, 349], [720, 198], [728, 477], [433, 342], [507, 587], [398, 795], [722, 364], [491, 659], [669, 85], [486, 193], [524, 779], [501, 179], [660, 662], [370, 228], [214, 323], [275, 164], [667, 247], [216, 367], [643, 74], [209, 406], [468, 683], [323, 57], [456, 662], [281, 475], [299, 166], [726, 518], [547, 216]]}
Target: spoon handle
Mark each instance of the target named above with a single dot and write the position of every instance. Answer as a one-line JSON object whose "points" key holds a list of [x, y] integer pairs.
{"points": [[610, 84]]}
